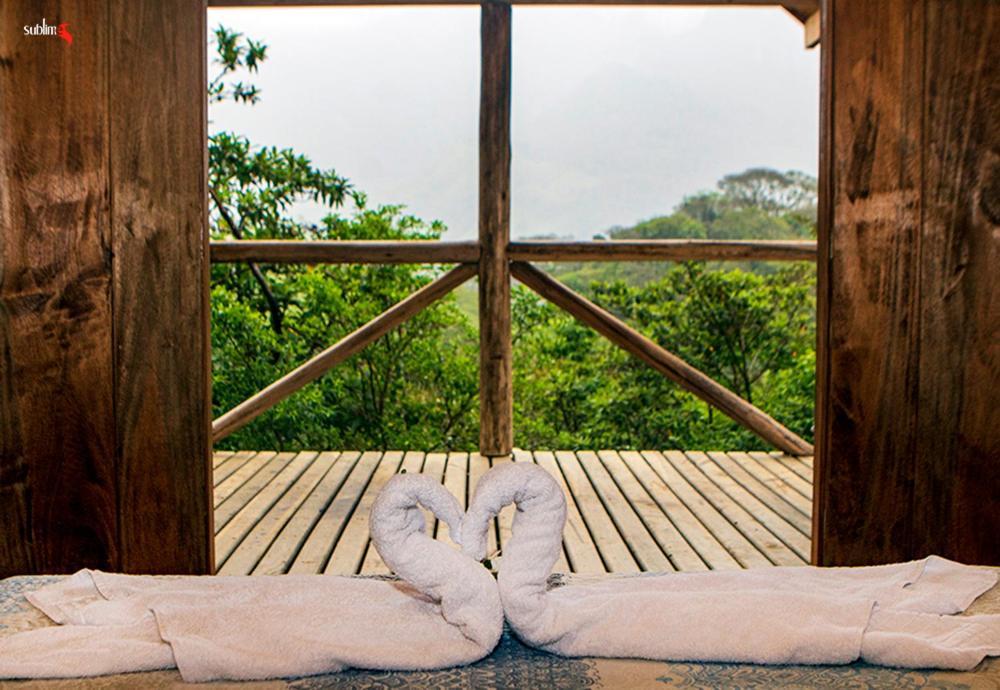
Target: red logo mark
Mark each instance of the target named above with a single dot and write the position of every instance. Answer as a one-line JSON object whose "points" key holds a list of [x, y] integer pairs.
{"points": [[64, 33]]}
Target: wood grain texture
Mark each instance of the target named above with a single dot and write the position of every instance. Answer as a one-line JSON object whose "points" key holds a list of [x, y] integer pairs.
{"points": [[957, 485], [345, 251], [496, 394], [161, 316], [58, 493], [665, 362], [908, 433], [663, 250]]}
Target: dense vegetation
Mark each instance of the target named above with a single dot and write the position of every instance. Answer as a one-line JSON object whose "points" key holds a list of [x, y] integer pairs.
{"points": [[750, 326]]}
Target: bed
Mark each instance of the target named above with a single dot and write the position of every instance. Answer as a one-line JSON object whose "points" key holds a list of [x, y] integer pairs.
{"points": [[512, 665]]}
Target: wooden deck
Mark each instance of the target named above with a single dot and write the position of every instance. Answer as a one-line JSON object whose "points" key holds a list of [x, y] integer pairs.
{"points": [[307, 512]]}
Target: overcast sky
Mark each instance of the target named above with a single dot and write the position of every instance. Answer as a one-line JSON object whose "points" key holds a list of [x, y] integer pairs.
{"points": [[617, 112]]}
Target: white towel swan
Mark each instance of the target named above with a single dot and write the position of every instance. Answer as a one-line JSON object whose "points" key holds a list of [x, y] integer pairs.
{"points": [[446, 613], [895, 615]]}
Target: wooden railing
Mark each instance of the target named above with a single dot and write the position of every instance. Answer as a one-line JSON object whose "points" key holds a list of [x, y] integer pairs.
{"points": [[494, 259]]}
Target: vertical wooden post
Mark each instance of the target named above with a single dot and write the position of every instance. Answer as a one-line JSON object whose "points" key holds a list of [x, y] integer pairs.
{"points": [[496, 407]]}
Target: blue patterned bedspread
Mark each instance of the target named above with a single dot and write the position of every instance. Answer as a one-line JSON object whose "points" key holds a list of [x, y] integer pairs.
{"points": [[513, 665]]}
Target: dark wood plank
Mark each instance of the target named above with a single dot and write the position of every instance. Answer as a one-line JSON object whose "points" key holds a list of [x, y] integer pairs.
{"points": [[957, 486], [58, 497], [869, 287], [159, 191], [496, 406]]}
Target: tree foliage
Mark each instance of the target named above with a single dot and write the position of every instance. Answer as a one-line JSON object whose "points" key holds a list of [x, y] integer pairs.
{"points": [[751, 327]]}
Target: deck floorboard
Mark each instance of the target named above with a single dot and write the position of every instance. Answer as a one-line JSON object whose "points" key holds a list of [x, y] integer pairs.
{"points": [[628, 511]]}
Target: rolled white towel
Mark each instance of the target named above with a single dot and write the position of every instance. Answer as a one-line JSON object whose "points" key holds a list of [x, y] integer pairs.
{"points": [[893, 615], [445, 613]]}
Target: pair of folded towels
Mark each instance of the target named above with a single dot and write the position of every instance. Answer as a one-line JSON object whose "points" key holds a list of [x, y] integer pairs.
{"points": [[448, 610]]}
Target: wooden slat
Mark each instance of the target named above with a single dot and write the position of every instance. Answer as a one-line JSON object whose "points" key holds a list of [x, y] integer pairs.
{"points": [[779, 470], [670, 365], [257, 477], [663, 250], [320, 543], [282, 552], [771, 481], [230, 465], [613, 549], [735, 542], [702, 540], [251, 465], [578, 543], [255, 544], [345, 348], [159, 195], [682, 556], [218, 457], [496, 397], [756, 510], [790, 511], [643, 546], [765, 541], [58, 494], [345, 251], [796, 465], [230, 535], [349, 553]]}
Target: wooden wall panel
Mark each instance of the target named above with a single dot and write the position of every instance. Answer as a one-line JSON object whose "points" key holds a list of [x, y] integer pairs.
{"points": [[957, 486], [104, 415], [158, 159], [907, 433], [57, 443]]}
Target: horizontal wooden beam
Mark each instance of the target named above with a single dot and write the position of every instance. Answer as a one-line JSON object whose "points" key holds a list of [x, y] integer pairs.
{"points": [[345, 251], [664, 250], [350, 345], [665, 362], [791, 5]]}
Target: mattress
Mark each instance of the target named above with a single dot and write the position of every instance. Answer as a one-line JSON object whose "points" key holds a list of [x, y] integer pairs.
{"points": [[513, 665]]}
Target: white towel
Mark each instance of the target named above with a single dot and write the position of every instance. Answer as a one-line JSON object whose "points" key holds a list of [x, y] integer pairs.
{"points": [[447, 613], [896, 615]]}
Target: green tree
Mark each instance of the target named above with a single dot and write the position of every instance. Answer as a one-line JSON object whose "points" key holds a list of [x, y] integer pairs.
{"points": [[415, 388]]}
